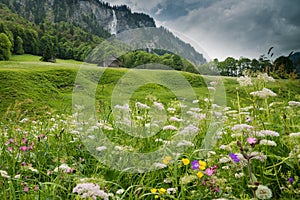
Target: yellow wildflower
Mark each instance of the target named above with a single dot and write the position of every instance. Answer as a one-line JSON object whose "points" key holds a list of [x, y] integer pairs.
{"points": [[162, 190], [185, 161], [200, 174], [202, 165], [153, 190], [167, 160]]}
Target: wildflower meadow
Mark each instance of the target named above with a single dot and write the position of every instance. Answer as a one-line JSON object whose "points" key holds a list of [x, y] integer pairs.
{"points": [[255, 154]]}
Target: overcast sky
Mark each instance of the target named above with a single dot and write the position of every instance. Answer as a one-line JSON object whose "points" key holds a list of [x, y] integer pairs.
{"points": [[225, 28]]}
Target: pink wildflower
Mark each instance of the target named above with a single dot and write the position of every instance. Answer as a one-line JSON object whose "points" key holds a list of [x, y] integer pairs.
{"points": [[251, 140]]}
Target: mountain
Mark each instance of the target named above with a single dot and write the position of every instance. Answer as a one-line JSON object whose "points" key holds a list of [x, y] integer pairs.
{"points": [[91, 15], [295, 58], [75, 27]]}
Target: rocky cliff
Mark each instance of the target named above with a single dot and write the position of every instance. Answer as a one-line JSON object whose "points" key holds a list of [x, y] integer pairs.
{"points": [[92, 15]]}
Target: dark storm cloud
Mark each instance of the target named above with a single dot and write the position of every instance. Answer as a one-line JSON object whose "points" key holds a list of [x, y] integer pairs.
{"points": [[171, 10], [230, 27]]}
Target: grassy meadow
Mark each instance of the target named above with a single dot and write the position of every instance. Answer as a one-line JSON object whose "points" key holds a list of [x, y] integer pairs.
{"points": [[239, 138]]}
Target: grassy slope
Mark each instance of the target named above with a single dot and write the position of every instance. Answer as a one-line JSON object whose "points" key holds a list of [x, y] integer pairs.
{"points": [[39, 85]]}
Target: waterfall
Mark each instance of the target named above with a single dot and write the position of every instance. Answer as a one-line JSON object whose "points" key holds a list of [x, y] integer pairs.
{"points": [[113, 25]]}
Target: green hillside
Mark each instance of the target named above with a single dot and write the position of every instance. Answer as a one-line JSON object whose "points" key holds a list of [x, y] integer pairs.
{"points": [[36, 85]]}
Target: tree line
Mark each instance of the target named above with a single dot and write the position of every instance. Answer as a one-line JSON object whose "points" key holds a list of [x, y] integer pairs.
{"points": [[281, 67]]}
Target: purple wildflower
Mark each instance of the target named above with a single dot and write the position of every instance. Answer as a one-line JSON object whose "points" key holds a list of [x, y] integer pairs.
{"points": [[234, 157], [291, 180], [195, 164]]}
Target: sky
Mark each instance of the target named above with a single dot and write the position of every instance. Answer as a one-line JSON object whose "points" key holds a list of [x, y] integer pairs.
{"points": [[223, 28]]}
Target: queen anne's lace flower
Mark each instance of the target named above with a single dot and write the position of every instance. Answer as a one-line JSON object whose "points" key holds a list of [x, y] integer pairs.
{"points": [[244, 81], [265, 133], [90, 190], [264, 93], [242, 127], [142, 106], [170, 127], [265, 77], [268, 143], [294, 103], [175, 119], [158, 105], [294, 134]]}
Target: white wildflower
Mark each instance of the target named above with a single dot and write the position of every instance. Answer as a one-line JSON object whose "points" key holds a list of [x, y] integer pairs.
{"points": [[101, 148], [258, 156], [190, 129], [225, 167], [224, 160], [33, 170], [196, 101], [163, 141], [264, 133], [159, 165], [120, 191], [141, 105], [92, 190], [242, 127], [231, 111], [62, 167], [170, 127], [247, 108], [244, 81], [171, 190], [294, 134], [168, 180], [264, 93], [268, 143], [175, 119], [239, 175], [185, 143], [18, 176], [125, 107], [158, 105], [265, 77], [24, 120], [4, 174], [294, 103], [171, 110]]}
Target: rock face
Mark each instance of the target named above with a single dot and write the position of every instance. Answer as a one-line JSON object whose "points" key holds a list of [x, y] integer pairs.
{"points": [[88, 14]]}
